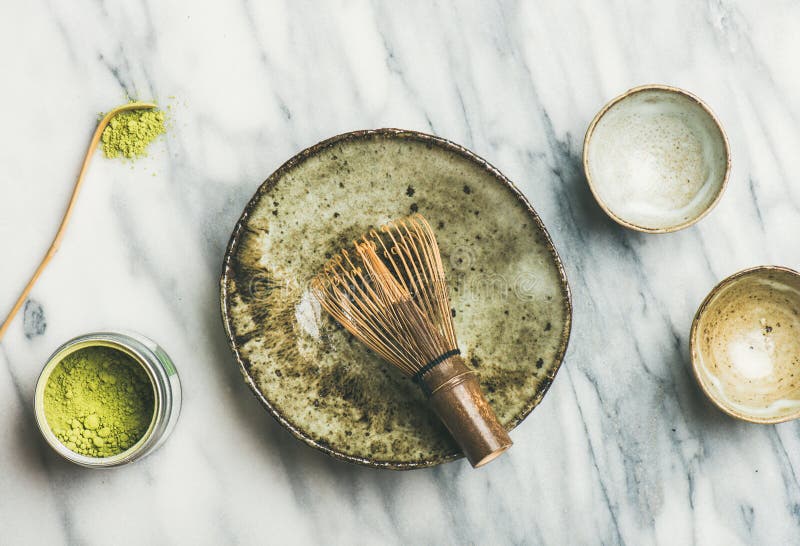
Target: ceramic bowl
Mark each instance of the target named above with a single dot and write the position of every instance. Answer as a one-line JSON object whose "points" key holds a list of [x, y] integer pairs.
{"points": [[509, 295], [745, 345], [656, 159]]}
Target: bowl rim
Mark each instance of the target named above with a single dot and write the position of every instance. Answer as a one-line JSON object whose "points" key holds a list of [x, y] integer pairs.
{"points": [[300, 157], [695, 351], [604, 110]]}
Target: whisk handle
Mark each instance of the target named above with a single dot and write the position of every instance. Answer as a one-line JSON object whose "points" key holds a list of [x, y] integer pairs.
{"points": [[457, 399]]}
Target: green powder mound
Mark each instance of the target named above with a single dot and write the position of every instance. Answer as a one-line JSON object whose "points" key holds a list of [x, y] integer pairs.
{"points": [[128, 134], [98, 401]]}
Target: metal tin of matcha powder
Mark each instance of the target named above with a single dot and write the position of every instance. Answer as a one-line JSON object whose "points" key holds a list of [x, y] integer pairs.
{"points": [[98, 401], [107, 399]]}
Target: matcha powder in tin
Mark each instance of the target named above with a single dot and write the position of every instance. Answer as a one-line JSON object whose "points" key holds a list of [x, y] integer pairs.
{"points": [[128, 134], [98, 401]]}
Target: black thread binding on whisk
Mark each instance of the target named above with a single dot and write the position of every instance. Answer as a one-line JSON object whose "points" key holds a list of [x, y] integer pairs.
{"points": [[417, 377]]}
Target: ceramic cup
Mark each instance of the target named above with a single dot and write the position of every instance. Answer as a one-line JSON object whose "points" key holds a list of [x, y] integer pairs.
{"points": [[745, 345], [656, 159]]}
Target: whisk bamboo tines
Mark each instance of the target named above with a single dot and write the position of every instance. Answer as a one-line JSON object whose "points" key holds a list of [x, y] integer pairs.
{"points": [[390, 292]]}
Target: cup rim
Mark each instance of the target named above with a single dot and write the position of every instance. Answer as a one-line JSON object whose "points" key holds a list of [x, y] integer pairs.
{"points": [[694, 350], [604, 110]]}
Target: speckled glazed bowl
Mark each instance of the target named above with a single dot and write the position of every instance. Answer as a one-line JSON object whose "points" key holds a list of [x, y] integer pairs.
{"points": [[510, 299], [746, 345], [656, 159]]}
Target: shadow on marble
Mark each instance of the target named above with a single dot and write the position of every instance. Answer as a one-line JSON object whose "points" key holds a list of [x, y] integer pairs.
{"points": [[700, 413], [576, 202]]}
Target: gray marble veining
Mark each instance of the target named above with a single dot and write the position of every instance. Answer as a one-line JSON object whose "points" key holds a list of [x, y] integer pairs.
{"points": [[623, 450]]}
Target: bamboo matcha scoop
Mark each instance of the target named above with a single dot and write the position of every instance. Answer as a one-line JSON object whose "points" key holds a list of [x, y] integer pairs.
{"points": [[98, 133]]}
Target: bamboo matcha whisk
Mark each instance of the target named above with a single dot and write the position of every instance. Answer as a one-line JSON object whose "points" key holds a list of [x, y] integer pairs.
{"points": [[391, 294]]}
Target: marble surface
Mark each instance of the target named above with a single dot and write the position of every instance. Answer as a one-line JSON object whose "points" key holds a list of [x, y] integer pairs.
{"points": [[624, 448]]}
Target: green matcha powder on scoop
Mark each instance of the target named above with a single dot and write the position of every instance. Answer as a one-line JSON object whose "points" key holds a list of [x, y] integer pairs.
{"points": [[98, 401], [128, 134]]}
